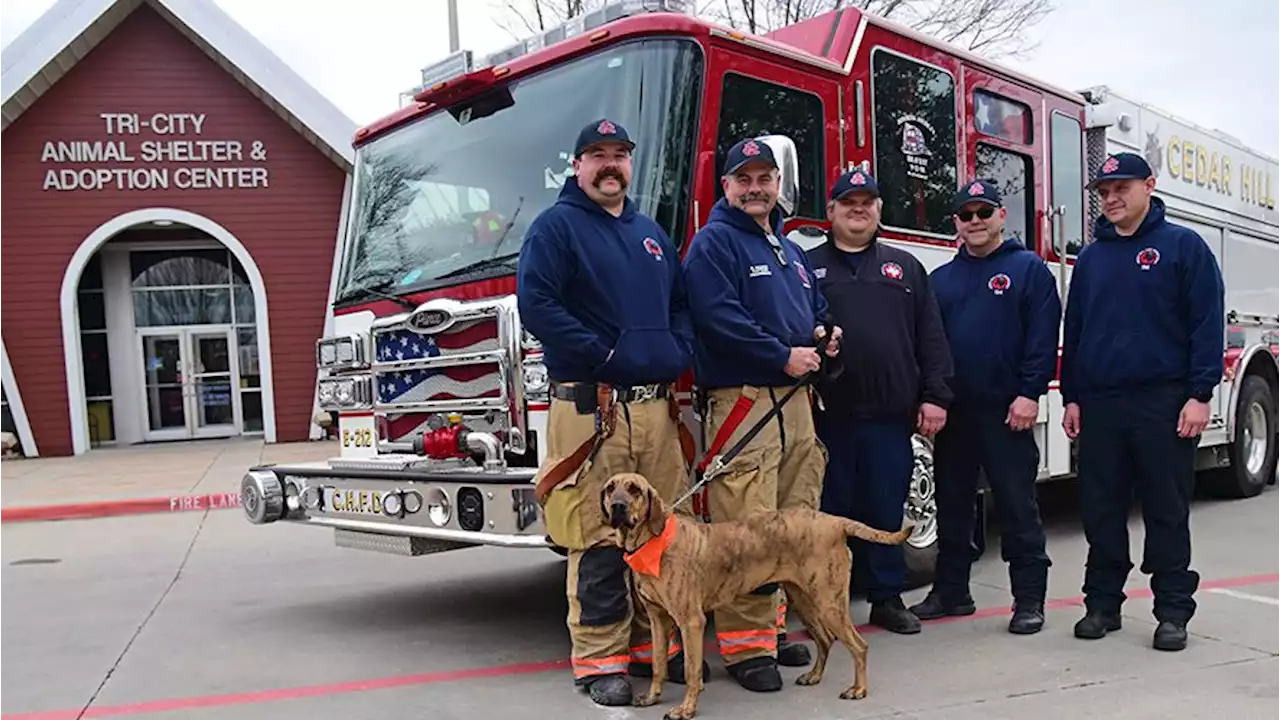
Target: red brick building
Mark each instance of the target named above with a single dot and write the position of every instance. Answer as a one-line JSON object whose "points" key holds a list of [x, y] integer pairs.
{"points": [[173, 197]]}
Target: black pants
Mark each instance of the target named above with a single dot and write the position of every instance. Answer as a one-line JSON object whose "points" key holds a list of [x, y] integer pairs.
{"points": [[980, 438], [1129, 445], [868, 475]]}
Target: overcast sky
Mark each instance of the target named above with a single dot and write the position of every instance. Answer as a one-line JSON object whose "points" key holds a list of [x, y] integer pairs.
{"points": [[1214, 63]]}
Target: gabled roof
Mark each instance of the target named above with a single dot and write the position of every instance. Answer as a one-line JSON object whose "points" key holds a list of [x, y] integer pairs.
{"points": [[64, 35]]}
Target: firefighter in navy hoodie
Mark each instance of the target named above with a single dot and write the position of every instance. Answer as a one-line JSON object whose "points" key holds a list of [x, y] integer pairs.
{"points": [[892, 383], [757, 316], [600, 286], [1001, 310], [1141, 355]]}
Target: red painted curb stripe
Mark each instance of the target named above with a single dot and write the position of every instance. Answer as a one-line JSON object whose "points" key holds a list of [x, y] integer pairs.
{"points": [[111, 508], [307, 691]]}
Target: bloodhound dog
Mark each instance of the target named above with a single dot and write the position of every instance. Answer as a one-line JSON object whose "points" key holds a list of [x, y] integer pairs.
{"points": [[683, 569]]}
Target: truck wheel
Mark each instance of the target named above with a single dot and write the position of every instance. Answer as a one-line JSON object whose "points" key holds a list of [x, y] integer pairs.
{"points": [[1253, 450], [921, 548]]}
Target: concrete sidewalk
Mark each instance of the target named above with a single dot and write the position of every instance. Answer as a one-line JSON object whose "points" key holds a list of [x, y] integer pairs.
{"points": [[164, 477]]}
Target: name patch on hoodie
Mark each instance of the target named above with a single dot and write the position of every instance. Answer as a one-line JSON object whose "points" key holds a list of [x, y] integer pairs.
{"points": [[759, 271]]}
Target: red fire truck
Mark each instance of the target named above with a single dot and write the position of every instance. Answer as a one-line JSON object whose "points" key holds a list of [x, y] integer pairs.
{"points": [[441, 396]]}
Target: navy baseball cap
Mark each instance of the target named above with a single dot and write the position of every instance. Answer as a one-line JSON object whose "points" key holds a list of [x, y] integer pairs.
{"points": [[746, 151], [1122, 166], [854, 181], [979, 191], [599, 131]]}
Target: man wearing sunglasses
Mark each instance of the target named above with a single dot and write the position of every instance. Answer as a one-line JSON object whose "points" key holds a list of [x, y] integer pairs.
{"points": [[757, 317], [1141, 356], [892, 384], [1001, 310]]}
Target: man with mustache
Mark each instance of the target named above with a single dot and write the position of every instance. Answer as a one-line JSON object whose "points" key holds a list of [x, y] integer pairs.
{"points": [[1141, 355], [1001, 310], [757, 315], [601, 287], [893, 385]]}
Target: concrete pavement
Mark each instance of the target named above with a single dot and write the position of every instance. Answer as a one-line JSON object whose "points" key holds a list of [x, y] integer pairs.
{"points": [[201, 615]]}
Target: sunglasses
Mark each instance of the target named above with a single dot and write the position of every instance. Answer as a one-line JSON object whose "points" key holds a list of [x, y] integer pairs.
{"points": [[982, 212]]}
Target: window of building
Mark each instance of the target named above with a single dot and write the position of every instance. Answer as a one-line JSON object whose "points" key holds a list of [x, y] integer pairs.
{"points": [[751, 108], [914, 115], [1067, 182], [94, 360], [1001, 117], [1012, 173]]}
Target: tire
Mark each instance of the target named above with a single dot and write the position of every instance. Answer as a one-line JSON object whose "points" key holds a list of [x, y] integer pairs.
{"points": [[921, 549], [1254, 447]]}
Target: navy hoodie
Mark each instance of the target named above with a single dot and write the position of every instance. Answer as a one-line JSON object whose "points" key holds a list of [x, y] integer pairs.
{"points": [[748, 308], [1143, 310], [603, 294], [1001, 314]]}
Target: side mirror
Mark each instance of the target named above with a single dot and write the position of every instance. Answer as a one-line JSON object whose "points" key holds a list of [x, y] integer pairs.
{"points": [[784, 151]]}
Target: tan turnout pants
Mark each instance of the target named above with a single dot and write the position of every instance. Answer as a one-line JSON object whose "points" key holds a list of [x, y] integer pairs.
{"points": [[781, 467], [606, 631]]}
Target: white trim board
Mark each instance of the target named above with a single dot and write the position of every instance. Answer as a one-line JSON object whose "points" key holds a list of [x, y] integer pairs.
{"points": [[70, 307], [16, 408]]}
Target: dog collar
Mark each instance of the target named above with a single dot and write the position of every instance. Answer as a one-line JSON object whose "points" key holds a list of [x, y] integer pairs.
{"points": [[647, 559]]}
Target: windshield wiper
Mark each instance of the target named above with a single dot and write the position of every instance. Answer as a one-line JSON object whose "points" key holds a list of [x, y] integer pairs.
{"points": [[482, 264], [376, 291]]}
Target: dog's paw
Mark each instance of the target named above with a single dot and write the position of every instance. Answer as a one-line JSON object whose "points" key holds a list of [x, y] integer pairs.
{"points": [[854, 693], [645, 700], [812, 677], [680, 712]]}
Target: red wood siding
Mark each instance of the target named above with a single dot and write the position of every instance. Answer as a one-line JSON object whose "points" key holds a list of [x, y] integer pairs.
{"points": [[145, 67]]}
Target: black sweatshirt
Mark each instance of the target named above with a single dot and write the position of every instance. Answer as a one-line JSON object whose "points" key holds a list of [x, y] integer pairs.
{"points": [[894, 353]]}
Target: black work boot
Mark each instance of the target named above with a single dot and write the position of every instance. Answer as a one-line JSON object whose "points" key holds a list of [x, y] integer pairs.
{"points": [[1170, 635], [893, 616], [1096, 624], [934, 607], [792, 654], [610, 690], [675, 669], [759, 674], [1028, 618]]}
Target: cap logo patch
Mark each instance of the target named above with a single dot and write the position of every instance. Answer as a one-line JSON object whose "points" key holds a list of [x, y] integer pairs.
{"points": [[891, 270], [606, 128], [1111, 165], [652, 247], [751, 148], [1148, 257], [858, 179], [999, 283], [976, 189]]}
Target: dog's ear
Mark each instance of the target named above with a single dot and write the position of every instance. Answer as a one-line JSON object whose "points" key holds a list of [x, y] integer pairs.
{"points": [[655, 515], [603, 503]]}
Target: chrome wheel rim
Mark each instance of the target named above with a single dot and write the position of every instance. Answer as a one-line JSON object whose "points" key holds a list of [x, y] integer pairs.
{"points": [[922, 502], [1255, 438]]}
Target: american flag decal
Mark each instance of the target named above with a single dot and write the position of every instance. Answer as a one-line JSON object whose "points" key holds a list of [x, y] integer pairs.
{"points": [[405, 344], [453, 382]]}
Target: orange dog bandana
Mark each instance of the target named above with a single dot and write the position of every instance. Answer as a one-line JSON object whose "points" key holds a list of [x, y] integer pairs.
{"points": [[647, 559]]}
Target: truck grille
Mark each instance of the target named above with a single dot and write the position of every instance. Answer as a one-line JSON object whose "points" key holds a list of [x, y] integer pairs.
{"points": [[469, 366]]}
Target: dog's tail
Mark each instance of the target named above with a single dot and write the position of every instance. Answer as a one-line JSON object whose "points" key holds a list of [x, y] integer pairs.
{"points": [[853, 528]]}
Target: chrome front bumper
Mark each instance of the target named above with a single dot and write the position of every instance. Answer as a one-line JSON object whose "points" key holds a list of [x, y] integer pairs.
{"points": [[448, 508]]}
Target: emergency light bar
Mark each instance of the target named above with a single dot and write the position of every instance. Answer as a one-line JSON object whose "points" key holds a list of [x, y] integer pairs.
{"points": [[462, 62]]}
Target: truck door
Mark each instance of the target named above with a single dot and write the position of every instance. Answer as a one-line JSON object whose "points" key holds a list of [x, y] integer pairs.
{"points": [[748, 96]]}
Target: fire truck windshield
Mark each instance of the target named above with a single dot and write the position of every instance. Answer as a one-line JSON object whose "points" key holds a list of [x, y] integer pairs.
{"points": [[447, 199]]}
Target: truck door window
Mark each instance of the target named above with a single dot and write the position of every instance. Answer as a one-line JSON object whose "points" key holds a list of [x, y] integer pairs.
{"points": [[1012, 173], [751, 108], [1067, 186], [914, 120], [1001, 117]]}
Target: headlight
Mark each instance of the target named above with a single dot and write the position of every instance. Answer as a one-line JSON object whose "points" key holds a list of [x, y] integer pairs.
{"points": [[340, 353], [535, 377], [346, 393]]}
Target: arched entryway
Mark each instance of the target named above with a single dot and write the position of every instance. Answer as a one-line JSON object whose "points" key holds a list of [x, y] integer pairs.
{"points": [[182, 333]]}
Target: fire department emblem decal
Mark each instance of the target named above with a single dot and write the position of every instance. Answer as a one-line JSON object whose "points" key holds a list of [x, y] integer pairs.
{"points": [[891, 270], [804, 276], [606, 128], [1110, 165], [999, 283], [975, 189], [1147, 257], [652, 247], [751, 149]]}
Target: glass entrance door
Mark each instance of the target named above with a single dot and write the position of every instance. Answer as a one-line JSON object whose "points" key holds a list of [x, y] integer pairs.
{"points": [[189, 376]]}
